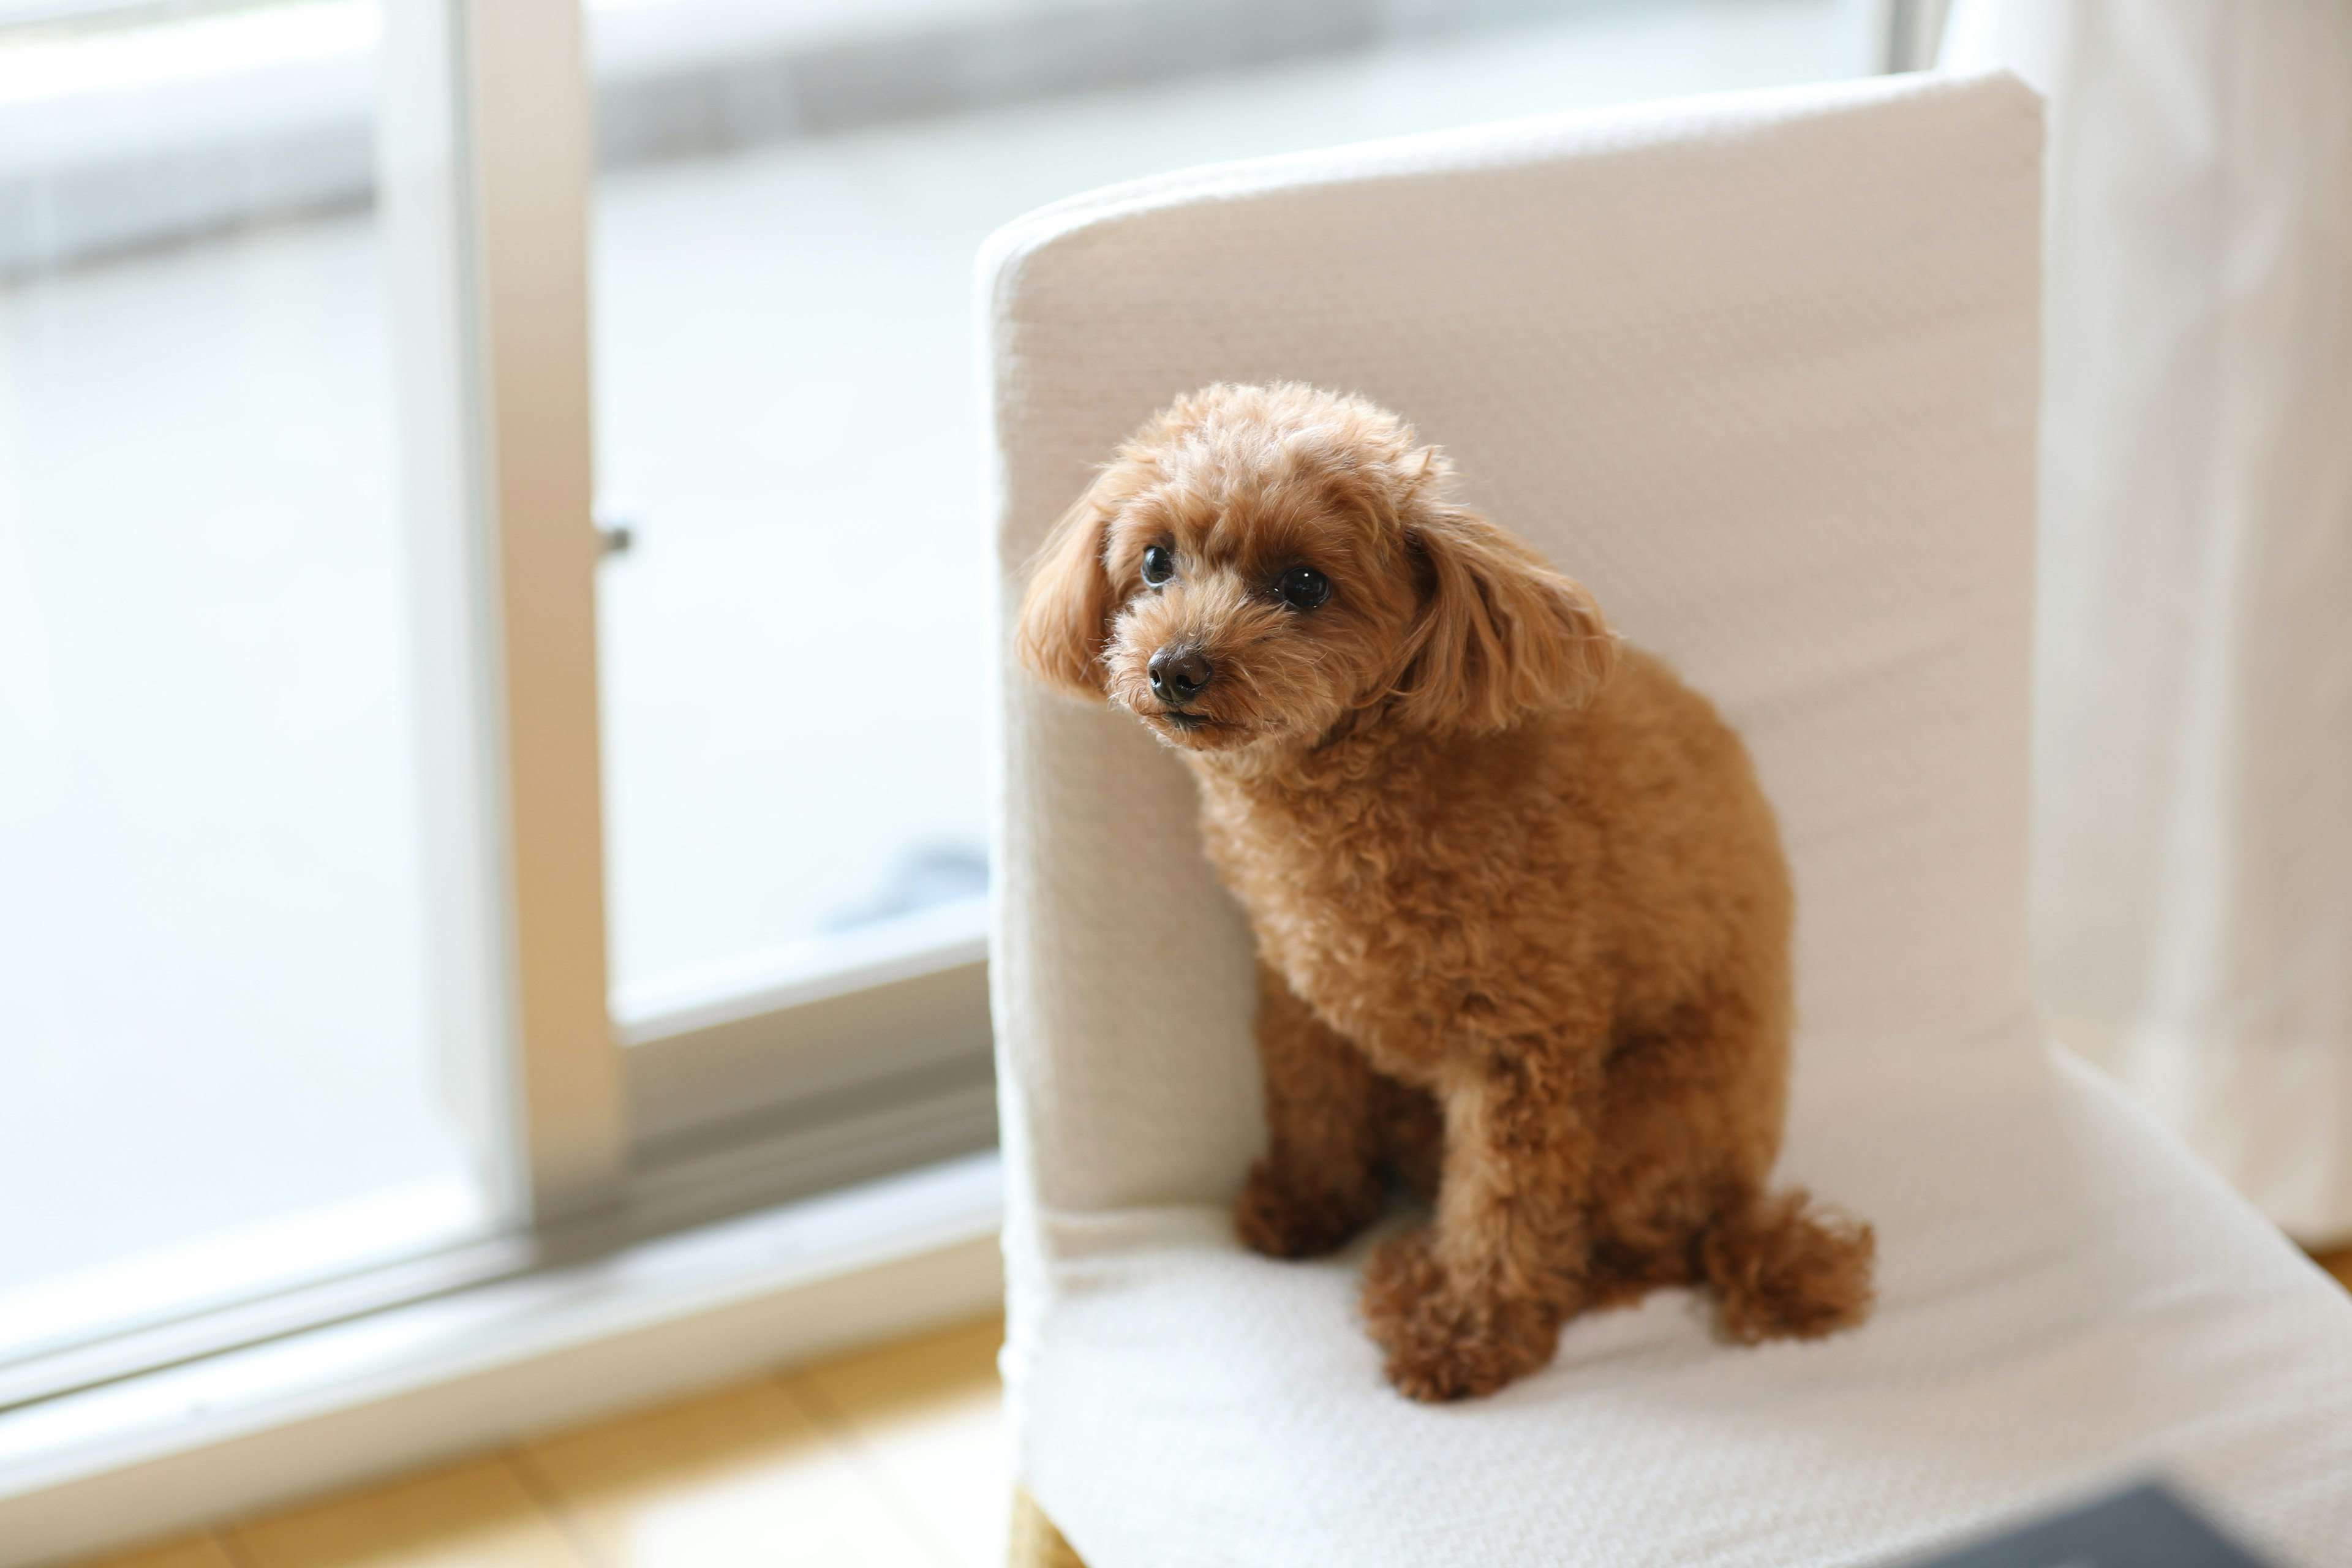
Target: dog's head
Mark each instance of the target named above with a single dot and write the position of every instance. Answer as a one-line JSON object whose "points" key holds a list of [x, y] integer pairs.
{"points": [[1260, 565]]}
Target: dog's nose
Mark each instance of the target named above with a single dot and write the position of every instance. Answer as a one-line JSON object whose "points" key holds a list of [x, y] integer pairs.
{"points": [[1180, 674]]}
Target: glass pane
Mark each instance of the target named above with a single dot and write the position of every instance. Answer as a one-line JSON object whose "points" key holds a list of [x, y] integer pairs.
{"points": [[218, 1076], [788, 378]]}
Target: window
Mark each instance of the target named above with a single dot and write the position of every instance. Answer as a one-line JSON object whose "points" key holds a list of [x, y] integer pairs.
{"points": [[220, 1074], [453, 797]]}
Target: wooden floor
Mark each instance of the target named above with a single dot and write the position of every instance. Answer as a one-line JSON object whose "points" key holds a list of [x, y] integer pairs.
{"points": [[895, 1459], [891, 1460]]}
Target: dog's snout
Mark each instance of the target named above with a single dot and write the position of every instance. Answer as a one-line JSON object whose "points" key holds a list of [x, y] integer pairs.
{"points": [[1180, 674]]}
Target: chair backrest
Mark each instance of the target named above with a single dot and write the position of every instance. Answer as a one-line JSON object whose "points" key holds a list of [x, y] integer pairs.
{"points": [[1759, 370]]}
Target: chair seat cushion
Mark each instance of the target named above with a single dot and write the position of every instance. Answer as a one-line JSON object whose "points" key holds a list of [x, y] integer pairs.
{"points": [[2066, 1301]]}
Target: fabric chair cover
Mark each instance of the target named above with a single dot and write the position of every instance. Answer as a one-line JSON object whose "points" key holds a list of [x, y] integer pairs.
{"points": [[1760, 371]]}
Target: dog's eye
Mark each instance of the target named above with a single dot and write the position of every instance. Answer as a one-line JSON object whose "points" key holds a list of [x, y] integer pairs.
{"points": [[1303, 587], [1158, 565]]}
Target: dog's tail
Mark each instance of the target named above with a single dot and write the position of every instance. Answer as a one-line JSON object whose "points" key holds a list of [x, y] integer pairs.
{"points": [[1786, 1269]]}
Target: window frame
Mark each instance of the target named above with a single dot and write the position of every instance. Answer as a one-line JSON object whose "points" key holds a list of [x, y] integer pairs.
{"points": [[486, 146]]}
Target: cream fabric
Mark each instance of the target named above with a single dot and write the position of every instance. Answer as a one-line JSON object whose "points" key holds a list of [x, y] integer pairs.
{"points": [[1760, 371], [2193, 870]]}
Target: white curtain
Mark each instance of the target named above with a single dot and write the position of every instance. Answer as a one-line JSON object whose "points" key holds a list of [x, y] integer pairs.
{"points": [[2193, 812]]}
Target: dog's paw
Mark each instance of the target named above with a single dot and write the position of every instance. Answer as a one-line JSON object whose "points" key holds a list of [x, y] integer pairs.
{"points": [[1443, 1342], [1282, 1220]]}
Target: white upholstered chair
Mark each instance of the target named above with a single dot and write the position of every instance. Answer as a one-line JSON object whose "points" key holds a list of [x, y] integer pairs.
{"points": [[1760, 371]]}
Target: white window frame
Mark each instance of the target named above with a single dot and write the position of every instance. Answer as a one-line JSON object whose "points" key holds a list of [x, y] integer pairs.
{"points": [[486, 146]]}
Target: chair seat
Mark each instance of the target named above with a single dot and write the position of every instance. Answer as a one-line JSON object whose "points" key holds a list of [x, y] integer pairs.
{"points": [[2065, 1301]]}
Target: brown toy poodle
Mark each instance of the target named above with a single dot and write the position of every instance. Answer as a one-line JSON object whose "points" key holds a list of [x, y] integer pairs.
{"points": [[1521, 911]]}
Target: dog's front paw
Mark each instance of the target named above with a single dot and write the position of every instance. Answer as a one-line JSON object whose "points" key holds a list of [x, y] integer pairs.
{"points": [[1443, 1342], [1284, 1219]]}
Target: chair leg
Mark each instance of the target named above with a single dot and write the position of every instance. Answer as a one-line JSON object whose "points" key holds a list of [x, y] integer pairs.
{"points": [[1036, 1543]]}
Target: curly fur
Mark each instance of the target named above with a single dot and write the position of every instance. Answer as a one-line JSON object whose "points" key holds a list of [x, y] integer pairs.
{"points": [[1521, 910]]}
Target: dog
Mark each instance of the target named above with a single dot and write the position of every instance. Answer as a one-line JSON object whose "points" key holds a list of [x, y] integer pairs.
{"points": [[1521, 911]]}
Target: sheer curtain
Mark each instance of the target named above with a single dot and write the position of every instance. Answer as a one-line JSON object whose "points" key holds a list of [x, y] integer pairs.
{"points": [[2193, 854]]}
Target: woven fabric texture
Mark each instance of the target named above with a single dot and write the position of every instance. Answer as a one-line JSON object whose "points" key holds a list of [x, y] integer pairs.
{"points": [[1760, 372]]}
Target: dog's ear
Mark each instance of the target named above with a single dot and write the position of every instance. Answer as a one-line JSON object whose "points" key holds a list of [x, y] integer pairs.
{"points": [[1500, 634], [1065, 614]]}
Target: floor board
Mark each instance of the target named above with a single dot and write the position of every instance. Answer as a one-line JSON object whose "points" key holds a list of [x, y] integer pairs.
{"points": [[928, 1421], [205, 1552], [482, 1515], [891, 1459], [745, 1477]]}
